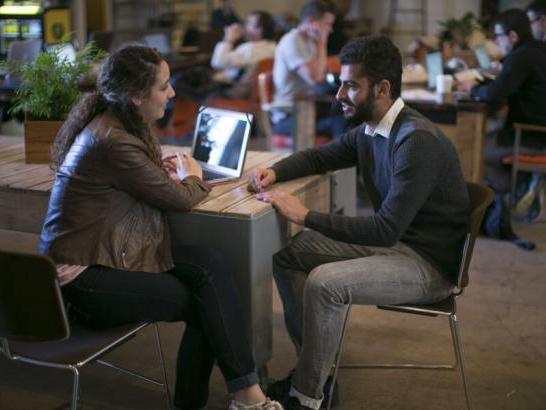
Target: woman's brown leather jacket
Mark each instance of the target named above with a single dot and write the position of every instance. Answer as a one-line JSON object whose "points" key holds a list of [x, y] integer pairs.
{"points": [[108, 201]]}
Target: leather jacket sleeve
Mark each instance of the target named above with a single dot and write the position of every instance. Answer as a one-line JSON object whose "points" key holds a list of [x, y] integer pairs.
{"points": [[132, 171]]}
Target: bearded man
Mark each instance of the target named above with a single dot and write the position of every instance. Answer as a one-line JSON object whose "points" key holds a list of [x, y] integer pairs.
{"points": [[407, 252]]}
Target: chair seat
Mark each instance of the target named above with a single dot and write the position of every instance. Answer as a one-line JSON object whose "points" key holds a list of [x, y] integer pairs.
{"points": [[83, 345], [526, 159], [444, 307]]}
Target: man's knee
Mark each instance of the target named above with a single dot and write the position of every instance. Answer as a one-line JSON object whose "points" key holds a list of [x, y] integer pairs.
{"points": [[319, 285]]}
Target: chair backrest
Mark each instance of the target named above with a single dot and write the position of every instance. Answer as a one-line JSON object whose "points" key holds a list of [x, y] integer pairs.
{"points": [[333, 65], [31, 304], [480, 198], [263, 66], [24, 51], [265, 87]]}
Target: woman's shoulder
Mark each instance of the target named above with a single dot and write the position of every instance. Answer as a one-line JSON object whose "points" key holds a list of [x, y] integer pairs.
{"points": [[108, 129]]}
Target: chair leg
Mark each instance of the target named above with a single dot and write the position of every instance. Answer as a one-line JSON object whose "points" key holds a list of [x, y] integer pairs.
{"points": [[515, 165], [459, 355], [338, 356], [162, 362], [75, 388]]}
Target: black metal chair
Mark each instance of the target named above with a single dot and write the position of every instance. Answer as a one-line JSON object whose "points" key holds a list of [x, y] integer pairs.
{"points": [[480, 198], [34, 327]]}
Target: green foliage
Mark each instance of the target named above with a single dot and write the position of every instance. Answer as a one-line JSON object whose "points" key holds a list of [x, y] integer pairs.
{"points": [[50, 83], [461, 28]]}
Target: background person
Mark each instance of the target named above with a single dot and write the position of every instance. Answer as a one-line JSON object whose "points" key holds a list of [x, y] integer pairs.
{"points": [[536, 11], [521, 83], [224, 15], [300, 68], [237, 63]]}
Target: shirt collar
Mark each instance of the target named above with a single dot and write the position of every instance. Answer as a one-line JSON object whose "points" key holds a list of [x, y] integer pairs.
{"points": [[385, 125]]}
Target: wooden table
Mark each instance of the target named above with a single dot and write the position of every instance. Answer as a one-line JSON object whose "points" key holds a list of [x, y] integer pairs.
{"points": [[464, 123], [230, 219]]}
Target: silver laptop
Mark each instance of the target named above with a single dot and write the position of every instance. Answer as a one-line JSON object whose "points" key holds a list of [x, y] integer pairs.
{"points": [[220, 141], [484, 62]]}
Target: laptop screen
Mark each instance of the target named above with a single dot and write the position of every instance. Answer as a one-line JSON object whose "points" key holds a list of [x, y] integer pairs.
{"points": [[220, 140], [434, 68], [483, 57]]}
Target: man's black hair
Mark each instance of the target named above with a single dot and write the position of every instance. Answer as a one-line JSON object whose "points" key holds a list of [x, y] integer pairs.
{"points": [[316, 9], [379, 58], [517, 21], [265, 22]]}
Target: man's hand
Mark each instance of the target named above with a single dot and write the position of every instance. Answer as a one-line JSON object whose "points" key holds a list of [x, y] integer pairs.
{"points": [[233, 33], [466, 85], [288, 205], [260, 178]]}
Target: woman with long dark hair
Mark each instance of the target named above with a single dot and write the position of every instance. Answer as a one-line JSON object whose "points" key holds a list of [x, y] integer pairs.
{"points": [[106, 228]]}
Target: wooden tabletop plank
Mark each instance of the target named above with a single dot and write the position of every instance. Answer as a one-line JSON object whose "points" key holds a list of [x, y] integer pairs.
{"points": [[17, 157], [227, 198], [15, 167], [235, 193], [252, 207], [8, 151], [28, 179], [8, 175], [7, 141]]}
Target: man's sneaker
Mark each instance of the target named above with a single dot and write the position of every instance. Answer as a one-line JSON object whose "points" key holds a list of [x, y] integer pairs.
{"points": [[281, 388], [267, 405]]}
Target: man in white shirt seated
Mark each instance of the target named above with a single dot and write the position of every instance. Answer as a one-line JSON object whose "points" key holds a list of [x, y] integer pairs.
{"points": [[237, 63], [300, 68]]}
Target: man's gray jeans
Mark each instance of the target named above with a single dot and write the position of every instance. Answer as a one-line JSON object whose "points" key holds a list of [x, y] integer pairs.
{"points": [[317, 277]]}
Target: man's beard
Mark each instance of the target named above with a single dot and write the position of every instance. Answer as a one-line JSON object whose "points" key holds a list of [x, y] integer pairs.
{"points": [[363, 112]]}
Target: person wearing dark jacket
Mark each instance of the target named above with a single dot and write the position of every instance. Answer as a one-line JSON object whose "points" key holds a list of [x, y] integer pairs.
{"points": [[521, 83], [106, 227], [224, 16], [407, 252]]}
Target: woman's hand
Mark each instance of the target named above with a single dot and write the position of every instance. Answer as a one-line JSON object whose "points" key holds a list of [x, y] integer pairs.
{"points": [[188, 166], [170, 166]]}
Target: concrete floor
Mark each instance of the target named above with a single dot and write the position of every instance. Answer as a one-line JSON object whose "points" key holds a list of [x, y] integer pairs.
{"points": [[502, 319]]}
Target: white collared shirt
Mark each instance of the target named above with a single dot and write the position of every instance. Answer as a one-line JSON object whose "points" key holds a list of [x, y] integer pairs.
{"points": [[385, 125]]}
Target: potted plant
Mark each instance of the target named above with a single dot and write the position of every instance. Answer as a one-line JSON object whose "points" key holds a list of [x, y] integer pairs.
{"points": [[462, 29], [50, 85]]}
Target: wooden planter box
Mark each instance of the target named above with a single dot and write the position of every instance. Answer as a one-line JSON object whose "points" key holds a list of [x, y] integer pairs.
{"points": [[39, 136]]}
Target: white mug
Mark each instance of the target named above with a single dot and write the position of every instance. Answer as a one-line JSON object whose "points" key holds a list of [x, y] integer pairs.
{"points": [[444, 83]]}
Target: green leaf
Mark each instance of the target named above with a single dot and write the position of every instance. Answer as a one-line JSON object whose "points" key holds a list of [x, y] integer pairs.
{"points": [[50, 83]]}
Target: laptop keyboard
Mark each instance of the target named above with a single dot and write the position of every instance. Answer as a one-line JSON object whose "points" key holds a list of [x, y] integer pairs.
{"points": [[208, 175]]}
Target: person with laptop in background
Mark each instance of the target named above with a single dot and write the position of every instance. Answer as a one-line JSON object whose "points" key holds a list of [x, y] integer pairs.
{"points": [[536, 11], [300, 68], [522, 84], [106, 226], [407, 252], [236, 64]]}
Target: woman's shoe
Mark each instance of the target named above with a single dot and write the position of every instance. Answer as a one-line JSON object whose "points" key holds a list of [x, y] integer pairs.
{"points": [[267, 405]]}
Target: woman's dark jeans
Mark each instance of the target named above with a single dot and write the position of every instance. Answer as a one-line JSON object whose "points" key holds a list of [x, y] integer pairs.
{"points": [[200, 291]]}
